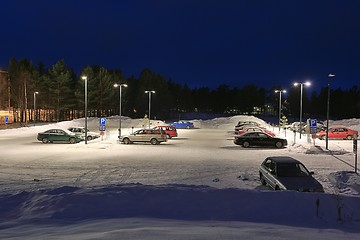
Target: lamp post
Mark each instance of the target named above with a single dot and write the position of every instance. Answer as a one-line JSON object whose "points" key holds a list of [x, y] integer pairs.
{"points": [[35, 93], [120, 86], [149, 92], [85, 79], [280, 91], [328, 112], [301, 99]]}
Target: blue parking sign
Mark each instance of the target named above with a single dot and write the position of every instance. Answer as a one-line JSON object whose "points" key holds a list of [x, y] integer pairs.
{"points": [[6, 119], [102, 121], [313, 123]]}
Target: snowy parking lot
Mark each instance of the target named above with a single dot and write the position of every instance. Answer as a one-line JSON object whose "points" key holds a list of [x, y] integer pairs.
{"points": [[200, 158]]}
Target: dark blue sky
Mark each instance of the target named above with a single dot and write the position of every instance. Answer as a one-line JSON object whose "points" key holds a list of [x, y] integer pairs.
{"points": [[198, 42]]}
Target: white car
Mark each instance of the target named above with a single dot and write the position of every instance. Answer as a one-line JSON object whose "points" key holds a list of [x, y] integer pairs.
{"points": [[80, 131]]}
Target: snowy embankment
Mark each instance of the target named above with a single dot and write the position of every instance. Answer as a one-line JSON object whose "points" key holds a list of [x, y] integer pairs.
{"points": [[132, 210]]}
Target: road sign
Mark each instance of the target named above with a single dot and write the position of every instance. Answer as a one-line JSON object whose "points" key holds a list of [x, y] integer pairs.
{"points": [[102, 127], [313, 130], [313, 123], [6, 119], [102, 121]]}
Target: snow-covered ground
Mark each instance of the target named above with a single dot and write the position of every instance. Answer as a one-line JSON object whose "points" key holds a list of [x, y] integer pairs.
{"points": [[197, 186]]}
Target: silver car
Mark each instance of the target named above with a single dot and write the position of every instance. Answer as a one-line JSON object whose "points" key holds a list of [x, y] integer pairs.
{"points": [[153, 136], [287, 173], [80, 131]]}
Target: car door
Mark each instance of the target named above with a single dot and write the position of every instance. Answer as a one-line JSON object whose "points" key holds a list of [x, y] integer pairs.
{"points": [[269, 173], [343, 133], [62, 135], [334, 133], [52, 135], [263, 140]]}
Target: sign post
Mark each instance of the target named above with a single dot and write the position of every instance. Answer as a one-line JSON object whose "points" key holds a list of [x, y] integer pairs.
{"points": [[313, 128], [102, 127], [355, 150], [6, 120]]}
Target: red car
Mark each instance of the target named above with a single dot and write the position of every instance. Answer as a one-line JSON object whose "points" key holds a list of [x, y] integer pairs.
{"points": [[169, 130], [338, 132], [254, 129]]}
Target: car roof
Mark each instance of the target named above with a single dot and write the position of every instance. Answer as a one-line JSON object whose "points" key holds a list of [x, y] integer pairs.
{"points": [[283, 159]]}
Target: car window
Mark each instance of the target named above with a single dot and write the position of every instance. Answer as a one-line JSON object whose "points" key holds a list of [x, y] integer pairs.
{"points": [[262, 135], [291, 170], [267, 163]]}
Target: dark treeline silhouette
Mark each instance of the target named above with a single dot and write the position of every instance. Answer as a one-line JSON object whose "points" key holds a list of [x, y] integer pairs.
{"points": [[61, 95]]}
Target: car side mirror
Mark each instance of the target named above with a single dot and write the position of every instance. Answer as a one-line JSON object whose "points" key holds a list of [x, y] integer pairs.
{"points": [[312, 173]]}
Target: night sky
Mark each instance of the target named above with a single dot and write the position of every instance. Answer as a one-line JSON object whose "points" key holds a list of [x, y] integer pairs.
{"points": [[197, 42]]}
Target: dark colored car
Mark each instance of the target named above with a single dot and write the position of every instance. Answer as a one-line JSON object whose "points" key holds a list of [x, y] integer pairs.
{"points": [[182, 124], [169, 130], [259, 139], [58, 135], [287, 173]]}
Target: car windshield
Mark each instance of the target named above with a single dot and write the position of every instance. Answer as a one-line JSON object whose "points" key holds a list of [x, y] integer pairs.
{"points": [[291, 170]]}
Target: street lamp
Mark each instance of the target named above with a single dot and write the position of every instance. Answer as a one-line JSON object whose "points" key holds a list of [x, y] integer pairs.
{"points": [[120, 86], [149, 92], [280, 91], [301, 99], [328, 113], [35, 93], [85, 79]]}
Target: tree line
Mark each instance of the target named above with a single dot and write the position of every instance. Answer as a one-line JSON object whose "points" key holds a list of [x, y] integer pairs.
{"points": [[61, 93]]}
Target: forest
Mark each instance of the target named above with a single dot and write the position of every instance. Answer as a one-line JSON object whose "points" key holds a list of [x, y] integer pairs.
{"points": [[60, 95]]}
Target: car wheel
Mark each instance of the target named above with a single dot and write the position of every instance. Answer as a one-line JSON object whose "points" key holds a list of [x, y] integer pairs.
{"points": [[187, 127], [45, 140], [72, 140], [246, 144], [168, 136], [154, 141], [89, 138], [348, 137], [126, 141], [279, 144], [262, 180]]}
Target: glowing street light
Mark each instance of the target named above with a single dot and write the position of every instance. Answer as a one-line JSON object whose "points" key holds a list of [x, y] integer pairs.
{"points": [[85, 79], [328, 112], [301, 99], [149, 92], [120, 86], [280, 91], [35, 93]]}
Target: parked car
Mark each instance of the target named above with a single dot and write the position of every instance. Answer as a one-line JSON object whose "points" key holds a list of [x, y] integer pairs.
{"points": [[169, 130], [153, 136], [80, 131], [60, 135], [254, 129], [295, 126], [246, 123], [338, 132], [287, 173], [182, 124], [259, 139]]}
